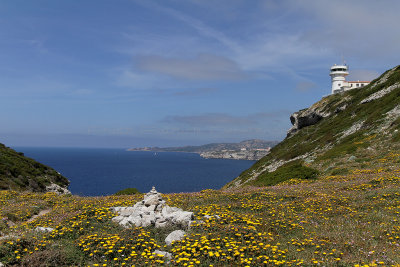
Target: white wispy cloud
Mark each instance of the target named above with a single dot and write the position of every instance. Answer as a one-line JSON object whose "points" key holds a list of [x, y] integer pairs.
{"points": [[209, 119], [127, 77], [305, 86], [225, 119], [202, 67], [361, 29], [197, 24], [196, 91], [362, 75]]}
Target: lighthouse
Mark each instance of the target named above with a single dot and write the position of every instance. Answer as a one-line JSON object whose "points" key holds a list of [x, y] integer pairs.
{"points": [[339, 84], [338, 74]]}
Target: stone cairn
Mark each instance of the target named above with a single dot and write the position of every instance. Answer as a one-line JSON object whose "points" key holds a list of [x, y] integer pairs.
{"points": [[152, 211]]}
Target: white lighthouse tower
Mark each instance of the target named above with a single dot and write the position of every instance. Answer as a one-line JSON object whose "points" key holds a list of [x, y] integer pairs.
{"points": [[338, 74]]}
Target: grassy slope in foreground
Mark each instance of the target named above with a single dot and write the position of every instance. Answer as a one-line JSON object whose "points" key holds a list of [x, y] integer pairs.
{"points": [[18, 172], [332, 221], [352, 135]]}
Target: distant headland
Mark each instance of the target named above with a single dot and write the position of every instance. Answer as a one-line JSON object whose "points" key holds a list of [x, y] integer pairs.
{"points": [[253, 149]]}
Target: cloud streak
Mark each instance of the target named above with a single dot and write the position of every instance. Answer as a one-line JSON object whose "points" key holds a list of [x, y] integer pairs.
{"points": [[200, 26], [224, 119], [196, 92], [202, 67], [362, 29], [209, 119], [305, 86], [362, 75]]}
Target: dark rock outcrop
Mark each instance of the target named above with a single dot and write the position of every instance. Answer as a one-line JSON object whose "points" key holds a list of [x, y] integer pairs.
{"points": [[304, 118]]}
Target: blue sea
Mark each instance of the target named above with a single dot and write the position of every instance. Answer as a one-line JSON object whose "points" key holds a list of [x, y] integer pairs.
{"points": [[98, 172]]}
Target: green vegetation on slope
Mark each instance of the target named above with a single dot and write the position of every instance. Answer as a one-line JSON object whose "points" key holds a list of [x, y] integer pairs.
{"points": [[291, 170], [363, 131], [18, 172], [347, 220]]}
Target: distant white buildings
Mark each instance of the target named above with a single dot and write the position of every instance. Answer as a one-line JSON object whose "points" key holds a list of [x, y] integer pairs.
{"points": [[339, 84]]}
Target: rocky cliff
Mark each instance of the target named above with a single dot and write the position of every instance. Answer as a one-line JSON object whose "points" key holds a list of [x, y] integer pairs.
{"points": [[18, 172], [339, 133]]}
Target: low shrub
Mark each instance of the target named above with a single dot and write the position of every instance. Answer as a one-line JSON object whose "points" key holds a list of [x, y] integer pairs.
{"points": [[127, 191]]}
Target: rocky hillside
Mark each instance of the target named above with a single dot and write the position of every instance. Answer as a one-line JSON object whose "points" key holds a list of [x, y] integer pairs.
{"points": [[253, 149], [341, 132], [18, 172]]}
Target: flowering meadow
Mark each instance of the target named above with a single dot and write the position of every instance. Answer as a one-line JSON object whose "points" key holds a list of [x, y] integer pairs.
{"points": [[350, 220]]}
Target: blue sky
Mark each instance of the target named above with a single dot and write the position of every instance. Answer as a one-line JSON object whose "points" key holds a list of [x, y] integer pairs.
{"points": [[128, 73]]}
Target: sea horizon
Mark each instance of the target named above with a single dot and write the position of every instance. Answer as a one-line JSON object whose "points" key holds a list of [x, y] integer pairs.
{"points": [[105, 171]]}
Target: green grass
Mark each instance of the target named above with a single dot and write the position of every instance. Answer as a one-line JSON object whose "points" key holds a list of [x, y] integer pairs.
{"points": [[292, 170]]}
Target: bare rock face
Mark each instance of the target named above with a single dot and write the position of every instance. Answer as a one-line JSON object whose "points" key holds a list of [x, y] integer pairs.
{"points": [[380, 93], [152, 211], [304, 118]]}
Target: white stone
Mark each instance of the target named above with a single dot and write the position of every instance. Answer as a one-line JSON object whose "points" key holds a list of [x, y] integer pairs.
{"points": [[183, 218], [211, 216], [127, 211], [125, 222], [115, 209], [174, 236], [135, 220], [1, 264], [117, 219], [161, 224], [44, 229], [55, 188]]}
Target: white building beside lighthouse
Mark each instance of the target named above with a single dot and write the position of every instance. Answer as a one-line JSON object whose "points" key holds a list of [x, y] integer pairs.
{"points": [[339, 84]]}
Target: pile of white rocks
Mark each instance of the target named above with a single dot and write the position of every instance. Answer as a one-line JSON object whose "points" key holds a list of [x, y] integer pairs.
{"points": [[152, 211]]}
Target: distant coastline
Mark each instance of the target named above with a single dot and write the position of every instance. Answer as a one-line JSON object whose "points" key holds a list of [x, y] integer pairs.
{"points": [[253, 149], [105, 171]]}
